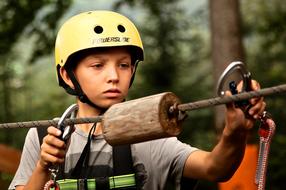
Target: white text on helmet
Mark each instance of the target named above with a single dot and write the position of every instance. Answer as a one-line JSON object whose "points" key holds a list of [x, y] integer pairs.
{"points": [[110, 39]]}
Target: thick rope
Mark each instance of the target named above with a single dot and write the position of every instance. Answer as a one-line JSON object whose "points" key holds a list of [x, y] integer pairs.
{"points": [[181, 107], [54, 122], [234, 98]]}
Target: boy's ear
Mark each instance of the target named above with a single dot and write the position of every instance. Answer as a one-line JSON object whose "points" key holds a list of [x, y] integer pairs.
{"points": [[65, 77]]}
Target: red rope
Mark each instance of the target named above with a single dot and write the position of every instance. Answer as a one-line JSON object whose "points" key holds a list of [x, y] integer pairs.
{"points": [[266, 132]]}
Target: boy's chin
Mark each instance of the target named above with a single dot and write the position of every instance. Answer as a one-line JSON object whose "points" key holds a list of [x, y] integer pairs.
{"points": [[109, 103]]}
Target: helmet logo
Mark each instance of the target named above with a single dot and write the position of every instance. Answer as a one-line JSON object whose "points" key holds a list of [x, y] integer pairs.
{"points": [[110, 39]]}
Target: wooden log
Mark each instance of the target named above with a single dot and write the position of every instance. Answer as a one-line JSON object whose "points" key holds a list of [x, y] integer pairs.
{"points": [[141, 120]]}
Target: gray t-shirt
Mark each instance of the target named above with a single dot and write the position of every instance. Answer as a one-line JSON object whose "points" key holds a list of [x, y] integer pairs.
{"points": [[160, 160]]}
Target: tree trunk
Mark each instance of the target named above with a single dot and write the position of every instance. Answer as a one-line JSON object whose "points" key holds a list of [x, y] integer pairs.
{"points": [[226, 42]]}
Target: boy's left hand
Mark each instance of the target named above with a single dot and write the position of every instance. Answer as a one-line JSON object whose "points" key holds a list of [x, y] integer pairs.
{"points": [[236, 119]]}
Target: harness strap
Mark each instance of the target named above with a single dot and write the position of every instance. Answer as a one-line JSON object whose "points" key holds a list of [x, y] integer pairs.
{"points": [[42, 132], [82, 164], [266, 132], [102, 183], [122, 181], [122, 160]]}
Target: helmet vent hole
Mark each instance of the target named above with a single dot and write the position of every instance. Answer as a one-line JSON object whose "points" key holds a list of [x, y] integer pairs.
{"points": [[98, 29], [121, 28]]}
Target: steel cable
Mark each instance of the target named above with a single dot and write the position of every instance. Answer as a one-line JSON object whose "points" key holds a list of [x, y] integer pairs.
{"points": [[234, 98], [181, 107]]}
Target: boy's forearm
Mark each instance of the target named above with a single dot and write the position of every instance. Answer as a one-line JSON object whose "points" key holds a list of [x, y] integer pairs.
{"points": [[228, 154], [38, 179]]}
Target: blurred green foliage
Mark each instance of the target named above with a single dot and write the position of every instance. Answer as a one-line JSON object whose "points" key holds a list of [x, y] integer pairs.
{"points": [[27, 32], [177, 59], [265, 43]]}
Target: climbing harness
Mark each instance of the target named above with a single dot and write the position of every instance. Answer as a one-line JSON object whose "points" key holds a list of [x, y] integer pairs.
{"points": [[115, 182], [267, 125], [124, 175], [66, 130]]}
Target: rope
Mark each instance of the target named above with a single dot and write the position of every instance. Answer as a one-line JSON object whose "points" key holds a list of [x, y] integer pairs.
{"points": [[266, 132], [181, 107], [54, 122], [228, 99]]}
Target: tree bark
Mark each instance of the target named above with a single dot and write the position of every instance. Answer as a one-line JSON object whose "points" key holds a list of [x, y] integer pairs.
{"points": [[226, 42]]}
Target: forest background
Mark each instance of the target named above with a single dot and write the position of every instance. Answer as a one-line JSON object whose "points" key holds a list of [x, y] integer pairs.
{"points": [[178, 37]]}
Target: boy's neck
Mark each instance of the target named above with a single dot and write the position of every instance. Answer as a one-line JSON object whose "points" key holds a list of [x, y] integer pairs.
{"points": [[87, 111]]}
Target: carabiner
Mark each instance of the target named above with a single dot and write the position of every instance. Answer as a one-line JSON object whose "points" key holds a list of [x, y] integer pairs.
{"points": [[246, 77], [67, 130]]}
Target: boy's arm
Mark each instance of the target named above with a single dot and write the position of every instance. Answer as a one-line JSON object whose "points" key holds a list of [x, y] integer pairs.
{"points": [[52, 152], [221, 163], [38, 179]]}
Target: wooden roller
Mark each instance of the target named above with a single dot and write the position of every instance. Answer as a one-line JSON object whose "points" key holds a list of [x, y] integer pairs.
{"points": [[141, 120]]}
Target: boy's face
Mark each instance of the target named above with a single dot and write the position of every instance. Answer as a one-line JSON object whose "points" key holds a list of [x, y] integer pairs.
{"points": [[105, 76]]}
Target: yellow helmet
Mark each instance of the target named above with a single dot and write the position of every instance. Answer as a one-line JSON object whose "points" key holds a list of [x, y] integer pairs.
{"points": [[95, 29]]}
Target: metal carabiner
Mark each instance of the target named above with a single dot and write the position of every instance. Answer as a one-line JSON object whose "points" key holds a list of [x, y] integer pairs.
{"points": [[67, 130], [66, 134], [246, 78], [234, 66]]}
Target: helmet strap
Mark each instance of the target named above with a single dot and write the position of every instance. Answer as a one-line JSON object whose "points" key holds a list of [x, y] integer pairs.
{"points": [[79, 92], [133, 75]]}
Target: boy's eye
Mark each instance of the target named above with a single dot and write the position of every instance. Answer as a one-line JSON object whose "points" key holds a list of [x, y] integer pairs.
{"points": [[97, 65], [124, 65]]}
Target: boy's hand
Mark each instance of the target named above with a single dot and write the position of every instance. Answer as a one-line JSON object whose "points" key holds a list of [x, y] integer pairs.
{"points": [[53, 149], [236, 120]]}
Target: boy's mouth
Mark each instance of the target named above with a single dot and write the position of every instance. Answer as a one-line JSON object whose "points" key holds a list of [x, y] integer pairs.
{"points": [[113, 92]]}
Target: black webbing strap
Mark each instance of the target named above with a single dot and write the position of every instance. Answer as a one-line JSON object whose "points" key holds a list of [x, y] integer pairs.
{"points": [[122, 160], [42, 132], [78, 91], [82, 164], [102, 183], [187, 183]]}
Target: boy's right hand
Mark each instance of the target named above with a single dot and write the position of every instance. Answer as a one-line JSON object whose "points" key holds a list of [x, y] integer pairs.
{"points": [[53, 149]]}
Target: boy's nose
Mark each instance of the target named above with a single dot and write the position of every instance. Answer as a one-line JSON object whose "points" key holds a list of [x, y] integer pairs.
{"points": [[113, 76]]}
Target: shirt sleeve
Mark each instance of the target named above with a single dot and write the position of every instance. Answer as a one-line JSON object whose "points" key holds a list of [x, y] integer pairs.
{"points": [[29, 158], [171, 156]]}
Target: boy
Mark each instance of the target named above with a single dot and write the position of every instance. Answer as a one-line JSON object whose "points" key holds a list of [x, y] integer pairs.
{"points": [[96, 55]]}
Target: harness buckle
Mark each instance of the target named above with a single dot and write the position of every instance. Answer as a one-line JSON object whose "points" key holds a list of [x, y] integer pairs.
{"points": [[82, 184]]}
